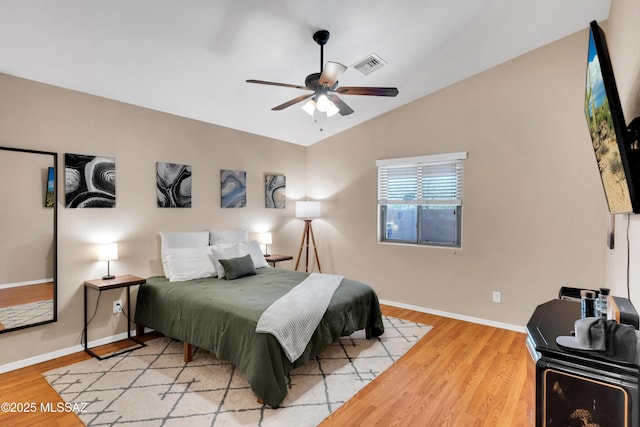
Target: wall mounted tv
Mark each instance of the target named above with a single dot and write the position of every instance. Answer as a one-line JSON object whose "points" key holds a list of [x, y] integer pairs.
{"points": [[615, 145]]}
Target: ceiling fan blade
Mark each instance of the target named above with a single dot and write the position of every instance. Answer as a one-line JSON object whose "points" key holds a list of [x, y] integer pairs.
{"points": [[263, 82], [345, 110], [331, 73], [362, 90], [292, 102]]}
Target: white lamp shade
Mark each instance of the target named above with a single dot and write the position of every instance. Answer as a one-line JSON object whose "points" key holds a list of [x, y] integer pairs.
{"points": [[265, 238], [332, 110], [309, 107], [108, 252], [307, 209], [322, 103]]}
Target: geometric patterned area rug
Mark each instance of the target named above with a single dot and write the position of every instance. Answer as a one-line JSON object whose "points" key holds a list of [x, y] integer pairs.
{"points": [[152, 386], [26, 314]]}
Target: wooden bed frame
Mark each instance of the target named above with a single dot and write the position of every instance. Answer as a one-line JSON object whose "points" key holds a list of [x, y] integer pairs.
{"points": [[187, 347]]}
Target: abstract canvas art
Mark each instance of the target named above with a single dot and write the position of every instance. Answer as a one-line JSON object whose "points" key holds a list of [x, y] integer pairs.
{"points": [[274, 191], [173, 185], [233, 189], [90, 181]]}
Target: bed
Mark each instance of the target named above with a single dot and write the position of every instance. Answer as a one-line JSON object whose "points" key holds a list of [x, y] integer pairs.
{"points": [[220, 316]]}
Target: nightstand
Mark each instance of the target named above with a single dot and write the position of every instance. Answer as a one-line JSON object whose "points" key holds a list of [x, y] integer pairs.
{"points": [[273, 259], [101, 285]]}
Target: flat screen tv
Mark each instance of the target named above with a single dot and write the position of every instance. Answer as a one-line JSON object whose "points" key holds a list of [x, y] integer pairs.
{"points": [[611, 138]]}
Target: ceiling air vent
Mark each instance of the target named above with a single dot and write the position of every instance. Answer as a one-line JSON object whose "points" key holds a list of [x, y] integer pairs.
{"points": [[369, 64]]}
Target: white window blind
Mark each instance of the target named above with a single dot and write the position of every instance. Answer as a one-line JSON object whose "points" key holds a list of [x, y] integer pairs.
{"points": [[424, 180]]}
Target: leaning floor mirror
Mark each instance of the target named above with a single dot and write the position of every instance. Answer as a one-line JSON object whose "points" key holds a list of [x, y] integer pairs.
{"points": [[28, 242]]}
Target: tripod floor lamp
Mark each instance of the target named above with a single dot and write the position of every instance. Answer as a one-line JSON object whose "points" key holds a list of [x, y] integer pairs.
{"points": [[307, 210]]}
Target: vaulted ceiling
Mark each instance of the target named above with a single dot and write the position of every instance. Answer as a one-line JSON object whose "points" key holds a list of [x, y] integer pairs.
{"points": [[191, 58]]}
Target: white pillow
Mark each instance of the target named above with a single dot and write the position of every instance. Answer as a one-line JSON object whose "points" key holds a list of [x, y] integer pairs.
{"points": [[189, 263], [253, 249], [173, 239], [228, 253], [228, 236], [225, 245]]}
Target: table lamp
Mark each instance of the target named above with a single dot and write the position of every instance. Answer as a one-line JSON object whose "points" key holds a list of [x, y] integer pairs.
{"points": [[108, 252], [265, 239]]}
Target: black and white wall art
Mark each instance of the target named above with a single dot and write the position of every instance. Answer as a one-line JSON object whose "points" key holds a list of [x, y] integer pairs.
{"points": [[173, 185], [233, 189], [90, 181], [274, 191]]}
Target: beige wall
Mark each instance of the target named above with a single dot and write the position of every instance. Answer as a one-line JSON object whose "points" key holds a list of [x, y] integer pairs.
{"points": [[37, 116], [623, 33], [534, 215]]}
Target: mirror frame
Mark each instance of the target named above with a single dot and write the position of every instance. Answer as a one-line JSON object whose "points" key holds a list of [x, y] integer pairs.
{"points": [[55, 238]]}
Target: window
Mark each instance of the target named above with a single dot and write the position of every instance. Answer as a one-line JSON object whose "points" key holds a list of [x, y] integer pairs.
{"points": [[420, 200]]}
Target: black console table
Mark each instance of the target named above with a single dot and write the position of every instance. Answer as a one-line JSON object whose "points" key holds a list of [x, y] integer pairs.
{"points": [[578, 388]]}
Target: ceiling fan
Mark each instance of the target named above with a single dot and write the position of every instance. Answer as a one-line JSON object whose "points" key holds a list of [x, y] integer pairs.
{"points": [[325, 86]]}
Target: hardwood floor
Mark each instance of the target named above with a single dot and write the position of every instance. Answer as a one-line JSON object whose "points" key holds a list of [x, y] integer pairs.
{"points": [[460, 374], [25, 294], [26, 386]]}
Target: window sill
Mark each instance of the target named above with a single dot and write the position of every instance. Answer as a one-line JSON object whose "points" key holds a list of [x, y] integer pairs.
{"points": [[450, 248]]}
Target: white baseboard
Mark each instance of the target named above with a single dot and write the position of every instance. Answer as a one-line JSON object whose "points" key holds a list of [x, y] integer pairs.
{"points": [[59, 353], [28, 283], [457, 316]]}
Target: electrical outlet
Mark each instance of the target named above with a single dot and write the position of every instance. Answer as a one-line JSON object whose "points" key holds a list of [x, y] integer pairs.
{"points": [[117, 306], [497, 296]]}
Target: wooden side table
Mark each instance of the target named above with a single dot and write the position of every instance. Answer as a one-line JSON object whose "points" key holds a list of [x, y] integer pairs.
{"points": [[100, 285], [273, 259]]}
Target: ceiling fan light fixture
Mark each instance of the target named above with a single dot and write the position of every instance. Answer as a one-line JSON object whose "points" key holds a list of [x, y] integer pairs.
{"points": [[309, 107], [323, 104], [324, 86], [332, 110]]}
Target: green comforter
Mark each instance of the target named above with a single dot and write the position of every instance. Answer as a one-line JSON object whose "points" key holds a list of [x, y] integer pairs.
{"points": [[221, 316]]}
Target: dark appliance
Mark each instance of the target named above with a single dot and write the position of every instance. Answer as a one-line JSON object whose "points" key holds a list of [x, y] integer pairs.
{"points": [[578, 388]]}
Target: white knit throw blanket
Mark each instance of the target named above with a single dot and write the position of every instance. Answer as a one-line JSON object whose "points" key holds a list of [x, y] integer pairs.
{"points": [[293, 318]]}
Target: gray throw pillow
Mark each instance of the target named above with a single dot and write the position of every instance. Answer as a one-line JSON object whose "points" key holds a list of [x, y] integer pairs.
{"points": [[235, 268]]}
